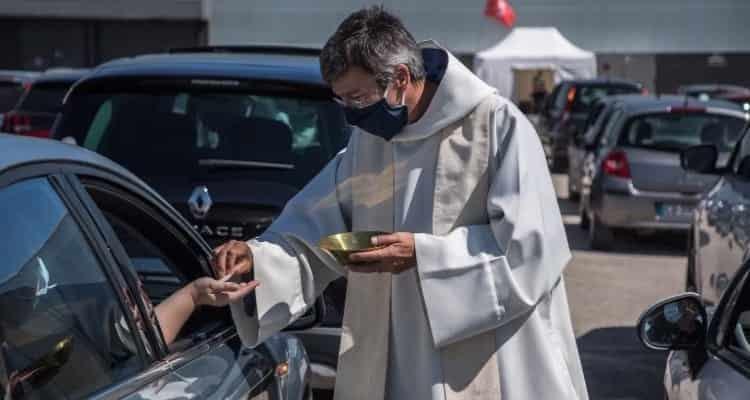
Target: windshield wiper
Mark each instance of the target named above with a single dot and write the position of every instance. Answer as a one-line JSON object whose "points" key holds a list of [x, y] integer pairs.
{"points": [[219, 163]]}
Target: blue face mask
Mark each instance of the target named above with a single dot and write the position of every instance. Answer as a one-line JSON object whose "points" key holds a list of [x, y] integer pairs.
{"points": [[380, 118]]}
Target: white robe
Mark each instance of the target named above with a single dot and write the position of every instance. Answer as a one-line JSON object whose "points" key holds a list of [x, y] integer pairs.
{"points": [[505, 275]]}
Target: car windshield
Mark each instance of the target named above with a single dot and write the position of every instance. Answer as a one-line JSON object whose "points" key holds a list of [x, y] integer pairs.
{"points": [[45, 97], [282, 138], [673, 132], [587, 95], [10, 92]]}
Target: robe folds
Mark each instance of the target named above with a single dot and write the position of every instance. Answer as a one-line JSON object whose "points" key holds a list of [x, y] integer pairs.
{"points": [[484, 315]]}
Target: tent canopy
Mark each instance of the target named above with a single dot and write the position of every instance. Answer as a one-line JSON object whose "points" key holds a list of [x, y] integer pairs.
{"points": [[533, 49]]}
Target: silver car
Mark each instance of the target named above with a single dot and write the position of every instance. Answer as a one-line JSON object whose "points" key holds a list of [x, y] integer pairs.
{"points": [[635, 181], [710, 347]]}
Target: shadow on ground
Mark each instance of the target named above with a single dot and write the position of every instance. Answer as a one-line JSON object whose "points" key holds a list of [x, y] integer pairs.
{"points": [[617, 366]]}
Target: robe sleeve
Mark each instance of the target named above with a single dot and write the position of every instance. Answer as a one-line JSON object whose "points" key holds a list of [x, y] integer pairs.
{"points": [[480, 277], [291, 269]]}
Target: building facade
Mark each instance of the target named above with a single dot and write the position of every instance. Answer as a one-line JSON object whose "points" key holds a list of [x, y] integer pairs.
{"points": [[39, 34], [662, 43]]}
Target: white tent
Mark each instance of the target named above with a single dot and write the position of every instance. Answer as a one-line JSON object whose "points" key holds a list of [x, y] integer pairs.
{"points": [[532, 49]]}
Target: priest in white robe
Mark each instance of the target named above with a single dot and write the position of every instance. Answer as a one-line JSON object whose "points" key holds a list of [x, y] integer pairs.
{"points": [[467, 299]]}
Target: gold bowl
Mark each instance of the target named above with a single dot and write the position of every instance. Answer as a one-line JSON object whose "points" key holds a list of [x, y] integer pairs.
{"points": [[341, 245]]}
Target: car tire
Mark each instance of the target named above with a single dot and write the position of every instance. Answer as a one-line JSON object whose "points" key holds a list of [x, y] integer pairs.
{"points": [[600, 236], [584, 224], [573, 195], [690, 285]]}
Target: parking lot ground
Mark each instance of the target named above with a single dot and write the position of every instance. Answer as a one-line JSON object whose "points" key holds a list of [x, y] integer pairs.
{"points": [[607, 293]]}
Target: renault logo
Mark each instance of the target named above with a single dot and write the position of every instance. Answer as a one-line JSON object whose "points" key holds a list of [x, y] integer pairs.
{"points": [[200, 202]]}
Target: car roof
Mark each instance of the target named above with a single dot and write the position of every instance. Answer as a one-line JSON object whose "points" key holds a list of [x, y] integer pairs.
{"points": [[29, 150], [62, 75], [17, 76], [298, 68], [652, 104], [602, 81]]}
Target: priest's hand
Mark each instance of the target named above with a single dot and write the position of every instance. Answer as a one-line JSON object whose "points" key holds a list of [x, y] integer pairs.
{"points": [[398, 255], [232, 258]]}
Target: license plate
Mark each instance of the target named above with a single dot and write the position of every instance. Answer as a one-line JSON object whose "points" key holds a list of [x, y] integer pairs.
{"points": [[674, 211]]}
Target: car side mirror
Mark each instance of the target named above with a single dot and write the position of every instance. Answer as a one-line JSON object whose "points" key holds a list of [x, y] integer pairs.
{"points": [[701, 159], [310, 318], [677, 323]]}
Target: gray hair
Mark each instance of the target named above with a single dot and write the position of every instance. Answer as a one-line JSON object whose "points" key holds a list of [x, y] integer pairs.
{"points": [[375, 41]]}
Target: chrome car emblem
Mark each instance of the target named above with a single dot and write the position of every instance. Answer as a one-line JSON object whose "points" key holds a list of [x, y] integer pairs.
{"points": [[200, 202]]}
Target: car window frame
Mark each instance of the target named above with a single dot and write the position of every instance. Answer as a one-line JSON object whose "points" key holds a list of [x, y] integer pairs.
{"points": [[721, 327], [54, 174]]}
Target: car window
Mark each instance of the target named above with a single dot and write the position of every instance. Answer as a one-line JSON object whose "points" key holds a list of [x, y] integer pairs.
{"points": [[45, 97], [742, 151], [587, 95], [674, 132], [63, 333], [281, 137], [160, 255], [739, 307], [10, 92], [609, 136]]}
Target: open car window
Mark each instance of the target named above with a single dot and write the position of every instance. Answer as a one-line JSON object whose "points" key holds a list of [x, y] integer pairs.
{"points": [[159, 252]]}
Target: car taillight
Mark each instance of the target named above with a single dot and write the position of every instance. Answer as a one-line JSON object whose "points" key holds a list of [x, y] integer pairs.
{"points": [[571, 96], [17, 123], [616, 164]]}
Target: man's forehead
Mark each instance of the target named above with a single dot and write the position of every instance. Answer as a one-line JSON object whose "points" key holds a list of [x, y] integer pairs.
{"points": [[353, 80]]}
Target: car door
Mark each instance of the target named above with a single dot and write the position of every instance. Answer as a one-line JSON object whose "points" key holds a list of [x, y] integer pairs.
{"points": [[723, 222], [61, 299], [726, 372], [159, 254]]}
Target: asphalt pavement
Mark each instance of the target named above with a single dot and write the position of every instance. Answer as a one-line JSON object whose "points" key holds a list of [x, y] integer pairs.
{"points": [[607, 293]]}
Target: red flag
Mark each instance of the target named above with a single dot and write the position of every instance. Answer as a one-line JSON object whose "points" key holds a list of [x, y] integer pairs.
{"points": [[502, 11]]}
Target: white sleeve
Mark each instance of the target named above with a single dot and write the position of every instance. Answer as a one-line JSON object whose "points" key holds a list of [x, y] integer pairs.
{"points": [[479, 277], [291, 269]]}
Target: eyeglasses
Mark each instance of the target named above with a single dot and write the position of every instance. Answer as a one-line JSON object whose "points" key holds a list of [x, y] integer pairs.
{"points": [[361, 101]]}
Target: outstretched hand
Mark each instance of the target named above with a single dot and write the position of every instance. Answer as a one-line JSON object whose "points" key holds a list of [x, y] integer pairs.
{"points": [[232, 258], [217, 293], [398, 255]]}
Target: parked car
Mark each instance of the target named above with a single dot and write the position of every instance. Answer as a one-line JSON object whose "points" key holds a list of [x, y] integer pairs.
{"points": [[720, 231], [88, 250], [12, 85], [636, 182], [709, 347], [733, 93], [584, 143], [227, 136], [567, 108], [35, 112]]}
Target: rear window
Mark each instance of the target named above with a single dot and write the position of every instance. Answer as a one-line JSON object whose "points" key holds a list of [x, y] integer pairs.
{"points": [[274, 137], [45, 97], [673, 132], [10, 92], [587, 95]]}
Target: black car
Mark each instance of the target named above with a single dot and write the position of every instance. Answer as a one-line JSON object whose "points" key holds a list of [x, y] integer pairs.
{"points": [[13, 84], [226, 135], [719, 235], [88, 251], [567, 109], [35, 112]]}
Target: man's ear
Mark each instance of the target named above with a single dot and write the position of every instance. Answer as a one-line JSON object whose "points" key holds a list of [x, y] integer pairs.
{"points": [[402, 77]]}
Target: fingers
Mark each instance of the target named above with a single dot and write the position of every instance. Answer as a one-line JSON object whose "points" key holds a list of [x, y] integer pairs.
{"points": [[218, 267], [371, 256], [385, 240], [246, 289]]}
